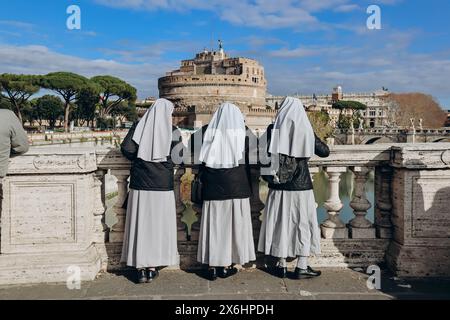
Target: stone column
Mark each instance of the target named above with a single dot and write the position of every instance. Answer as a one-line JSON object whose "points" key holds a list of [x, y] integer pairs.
{"points": [[117, 230], [255, 201], [360, 227], [180, 207], [333, 227], [197, 207], [383, 200]]}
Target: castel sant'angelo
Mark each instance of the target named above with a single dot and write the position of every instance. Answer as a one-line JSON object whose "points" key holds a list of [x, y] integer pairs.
{"points": [[201, 84]]}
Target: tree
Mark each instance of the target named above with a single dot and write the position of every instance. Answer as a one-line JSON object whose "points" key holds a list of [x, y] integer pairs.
{"points": [[85, 107], [114, 91], [17, 89], [320, 123], [345, 121], [353, 105], [125, 111], [49, 108], [4, 103], [68, 85], [406, 106]]}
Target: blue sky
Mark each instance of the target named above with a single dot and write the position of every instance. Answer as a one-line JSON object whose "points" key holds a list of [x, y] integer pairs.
{"points": [[306, 46]]}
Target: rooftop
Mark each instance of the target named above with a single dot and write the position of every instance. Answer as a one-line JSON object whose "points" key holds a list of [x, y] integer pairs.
{"points": [[217, 63]]}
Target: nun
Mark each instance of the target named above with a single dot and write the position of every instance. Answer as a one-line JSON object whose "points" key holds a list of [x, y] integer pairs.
{"points": [[289, 227], [226, 234], [150, 239]]}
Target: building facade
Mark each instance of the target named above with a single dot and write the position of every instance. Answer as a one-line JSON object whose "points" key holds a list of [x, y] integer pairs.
{"points": [[376, 115]]}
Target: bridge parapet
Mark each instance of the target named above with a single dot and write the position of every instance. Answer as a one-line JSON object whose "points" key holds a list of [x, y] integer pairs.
{"points": [[54, 206]]}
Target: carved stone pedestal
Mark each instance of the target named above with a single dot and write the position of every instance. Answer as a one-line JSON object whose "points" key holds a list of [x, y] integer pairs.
{"points": [[51, 220], [421, 211]]}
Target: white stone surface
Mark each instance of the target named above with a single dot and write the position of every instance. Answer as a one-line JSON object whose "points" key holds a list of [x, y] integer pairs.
{"points": [[48, 217], [53, 213]]}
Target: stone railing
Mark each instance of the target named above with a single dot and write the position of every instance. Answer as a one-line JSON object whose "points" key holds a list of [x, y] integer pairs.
{"points": [[77, 137], [54, 206]]}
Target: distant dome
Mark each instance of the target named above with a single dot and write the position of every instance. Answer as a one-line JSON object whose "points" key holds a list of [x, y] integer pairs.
{"points": [[337, 89]]}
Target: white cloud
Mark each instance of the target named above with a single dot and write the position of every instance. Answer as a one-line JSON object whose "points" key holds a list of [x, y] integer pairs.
{"points": [[299, 52], [267, 14], [347, 8], [138, 52], [36, 59], [17, 24], [361, 68]]}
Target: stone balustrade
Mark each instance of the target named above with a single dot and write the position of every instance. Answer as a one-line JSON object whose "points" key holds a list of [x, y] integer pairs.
{"points": [[54, 206], [77, 137]]}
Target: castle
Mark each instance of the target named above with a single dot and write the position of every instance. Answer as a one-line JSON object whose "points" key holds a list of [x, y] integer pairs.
{"points": [[201, 84], [211, 78]]}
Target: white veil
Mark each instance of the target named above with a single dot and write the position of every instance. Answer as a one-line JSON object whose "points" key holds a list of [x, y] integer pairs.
{"points": [[153, 133], [292, 133], [224, 140]]}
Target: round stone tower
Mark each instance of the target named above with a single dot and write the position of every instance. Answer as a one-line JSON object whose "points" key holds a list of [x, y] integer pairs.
{"points": [[213, 77]]}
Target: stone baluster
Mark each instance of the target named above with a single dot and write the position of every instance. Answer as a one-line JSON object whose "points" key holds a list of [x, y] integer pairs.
{"points": [[383, 200], [180, 207], [333, 227], [360, 227], [313, 171], [101, 230], [117, 230], [195, 228], [255, 201]]}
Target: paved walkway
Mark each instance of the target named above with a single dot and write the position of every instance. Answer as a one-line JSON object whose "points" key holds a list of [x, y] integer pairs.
{"points": [[248, 284]]}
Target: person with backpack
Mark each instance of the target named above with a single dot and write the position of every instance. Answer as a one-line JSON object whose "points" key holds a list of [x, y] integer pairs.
{"points": [[289, 226]]}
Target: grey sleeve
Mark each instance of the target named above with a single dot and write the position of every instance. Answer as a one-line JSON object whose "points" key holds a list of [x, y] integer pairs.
{"points": [[19, 139]]}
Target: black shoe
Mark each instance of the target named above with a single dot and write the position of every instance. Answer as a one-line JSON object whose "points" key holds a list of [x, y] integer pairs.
{"points": [[306, 273], [141, 276], [227, 272], [280, 272], [211, 274], [152, 275]]}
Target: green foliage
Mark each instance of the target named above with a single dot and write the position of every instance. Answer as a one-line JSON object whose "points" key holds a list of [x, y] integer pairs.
{"points": [[17, 89], [49, 108], [125, 111], [320, 123], [27, 112], [68, 85], [104, 124], [85, 106], [113, 92], [5, 103], [354, 105], [345, 121]]}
